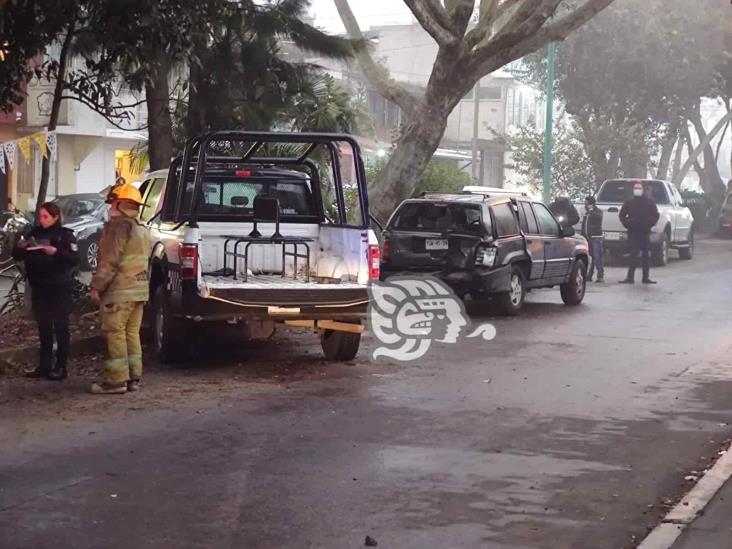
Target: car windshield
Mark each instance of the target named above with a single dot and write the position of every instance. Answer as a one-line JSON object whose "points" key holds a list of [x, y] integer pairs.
{"points": [[620, 190], [73, 206], [434, 216]]}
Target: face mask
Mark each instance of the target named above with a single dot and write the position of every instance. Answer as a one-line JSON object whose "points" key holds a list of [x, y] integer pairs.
{"points": [[637, 192]]}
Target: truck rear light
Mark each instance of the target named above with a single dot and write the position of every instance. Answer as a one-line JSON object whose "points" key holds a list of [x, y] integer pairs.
{"points": [[374, 263], [189, 261]]}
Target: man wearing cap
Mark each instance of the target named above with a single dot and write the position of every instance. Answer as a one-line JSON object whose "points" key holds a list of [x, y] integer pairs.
{"points": [[120, 286], [638, 215]]}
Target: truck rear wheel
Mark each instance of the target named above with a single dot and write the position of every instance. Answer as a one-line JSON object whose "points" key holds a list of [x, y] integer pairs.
{"points": [[339, 345], [659, 252], [168, 332], [688, 251]]}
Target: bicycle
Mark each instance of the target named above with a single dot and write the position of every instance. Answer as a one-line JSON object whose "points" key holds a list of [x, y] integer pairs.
{"points": [[15, 296]]}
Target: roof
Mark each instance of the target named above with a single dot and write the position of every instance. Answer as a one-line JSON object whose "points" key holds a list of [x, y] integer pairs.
{"points": [[492, 191], [470, 198]]}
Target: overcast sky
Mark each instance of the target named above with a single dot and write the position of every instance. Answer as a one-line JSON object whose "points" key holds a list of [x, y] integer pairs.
{"points": [[368, 12]]}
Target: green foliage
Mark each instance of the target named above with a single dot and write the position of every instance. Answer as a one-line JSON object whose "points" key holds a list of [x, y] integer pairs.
{"points": [[243, 75], [630, 74], [323, 106], [27, 27], [572, 170]]}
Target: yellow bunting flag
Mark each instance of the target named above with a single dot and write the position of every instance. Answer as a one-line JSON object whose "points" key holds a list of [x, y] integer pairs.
{"points": [[40, 139], [24, 145]]}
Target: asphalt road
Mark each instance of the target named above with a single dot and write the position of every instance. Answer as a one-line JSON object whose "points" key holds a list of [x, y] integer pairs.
{"points": [[568, 430]]}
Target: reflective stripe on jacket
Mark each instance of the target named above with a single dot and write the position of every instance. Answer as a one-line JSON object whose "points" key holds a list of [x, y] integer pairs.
{"points": [[122, 273]]}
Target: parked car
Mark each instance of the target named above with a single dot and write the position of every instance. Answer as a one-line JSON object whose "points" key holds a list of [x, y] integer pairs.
{"points": [[250, 240], [85, 214], [725, 217], [495, 244], [674, 229]]}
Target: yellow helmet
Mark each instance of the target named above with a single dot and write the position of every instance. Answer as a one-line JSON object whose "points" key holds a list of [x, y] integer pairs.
{"points": [[125, 192]]}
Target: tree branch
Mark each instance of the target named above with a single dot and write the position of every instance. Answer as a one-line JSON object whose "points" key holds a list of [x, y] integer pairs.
{"points": [[490, 12], [377, 75], [492, 58], [433, 18], [526, 19], [700, 148]]}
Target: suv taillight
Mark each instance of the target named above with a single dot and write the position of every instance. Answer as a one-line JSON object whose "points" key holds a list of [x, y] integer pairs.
{"points": [[385, 250], [374, 263], [189, 261], [485, 257]]}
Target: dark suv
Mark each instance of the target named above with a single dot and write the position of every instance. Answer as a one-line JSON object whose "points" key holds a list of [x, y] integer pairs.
{"points": [[498, 245]]}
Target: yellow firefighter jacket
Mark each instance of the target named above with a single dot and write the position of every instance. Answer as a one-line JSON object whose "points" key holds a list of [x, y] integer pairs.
{"points": [[122, 272]]}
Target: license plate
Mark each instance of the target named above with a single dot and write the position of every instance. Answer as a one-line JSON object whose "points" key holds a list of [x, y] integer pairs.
{"points": [[613, 236], [435, 244], [283, 310]]}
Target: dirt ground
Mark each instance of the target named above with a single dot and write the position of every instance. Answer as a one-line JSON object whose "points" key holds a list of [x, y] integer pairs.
{"points": [[290, 357]]}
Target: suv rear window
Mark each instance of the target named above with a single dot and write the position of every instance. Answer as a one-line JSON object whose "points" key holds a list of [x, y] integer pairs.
{"points": [[437, 216], [620, 190]]}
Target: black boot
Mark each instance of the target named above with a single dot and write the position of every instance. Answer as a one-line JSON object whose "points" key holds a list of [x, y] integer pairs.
{"points": [[58, 374], [39, 372]]}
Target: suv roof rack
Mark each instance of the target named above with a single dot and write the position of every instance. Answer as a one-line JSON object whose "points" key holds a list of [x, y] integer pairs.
{"points": [[491, 191]]}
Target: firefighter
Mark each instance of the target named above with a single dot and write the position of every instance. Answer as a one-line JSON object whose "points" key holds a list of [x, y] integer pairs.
{"points": [[120, 286]]}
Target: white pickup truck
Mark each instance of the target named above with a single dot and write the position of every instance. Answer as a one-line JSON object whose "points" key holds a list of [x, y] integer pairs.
{"points": [[674, 229], [248, 232]]}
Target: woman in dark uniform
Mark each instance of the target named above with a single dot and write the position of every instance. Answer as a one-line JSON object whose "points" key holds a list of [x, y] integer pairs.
{"points": [[50, 254]]}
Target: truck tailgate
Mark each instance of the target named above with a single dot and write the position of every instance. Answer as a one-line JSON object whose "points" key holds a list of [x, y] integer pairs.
{"points": [[278, 291], [610, 218]]}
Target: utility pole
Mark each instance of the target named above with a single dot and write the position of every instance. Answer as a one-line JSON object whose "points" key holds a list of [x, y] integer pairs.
{"points": [[476, 127], [549, 127]]}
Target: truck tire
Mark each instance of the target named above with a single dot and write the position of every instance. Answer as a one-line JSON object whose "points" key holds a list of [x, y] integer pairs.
{"points": [[659, 252], [573, 292], [339, 345], [511, 302], [688, 252], [168, 332]]}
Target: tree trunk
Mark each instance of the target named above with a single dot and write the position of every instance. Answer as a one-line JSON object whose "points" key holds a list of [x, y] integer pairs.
{"points": [[613, 164], [706, 142], [680, 141], [196, 122], [416, 146], [160, 127], [55, 109], [419, 138], [667, 150], [711, 170], [634, 162]]}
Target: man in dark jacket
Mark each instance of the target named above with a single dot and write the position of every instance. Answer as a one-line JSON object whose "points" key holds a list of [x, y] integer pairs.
{"points": [[592, 231], [564, 211], [638, 215]]}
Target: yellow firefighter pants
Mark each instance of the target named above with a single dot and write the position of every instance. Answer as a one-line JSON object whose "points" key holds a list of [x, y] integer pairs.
{"points": [[121, 326]]}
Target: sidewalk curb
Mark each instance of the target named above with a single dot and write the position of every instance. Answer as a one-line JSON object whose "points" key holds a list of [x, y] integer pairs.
{"points": [[84, 346], [691, 506]]}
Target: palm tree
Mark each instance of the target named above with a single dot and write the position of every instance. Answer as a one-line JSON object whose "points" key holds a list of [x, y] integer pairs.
{"points": [[242, 75]]}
